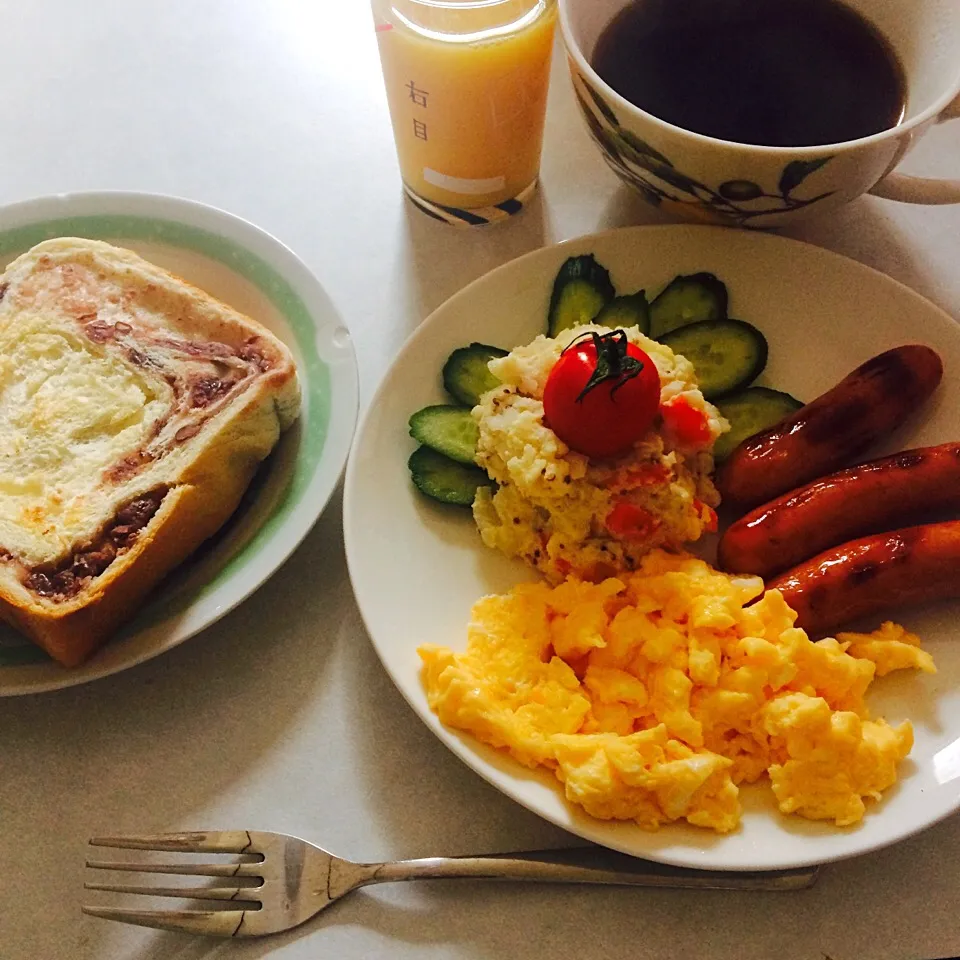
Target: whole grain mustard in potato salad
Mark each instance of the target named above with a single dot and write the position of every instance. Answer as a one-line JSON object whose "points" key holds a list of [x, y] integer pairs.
{"points": [[653, 695], [564, 512]]}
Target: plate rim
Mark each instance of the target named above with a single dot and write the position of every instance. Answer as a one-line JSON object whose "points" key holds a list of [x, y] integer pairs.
{"points": [[336, 357], [454, 740]]}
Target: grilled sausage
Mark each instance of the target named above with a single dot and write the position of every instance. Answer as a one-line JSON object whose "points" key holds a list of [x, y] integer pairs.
{"points": [[869, 576], [833, 430], [879, 495]]}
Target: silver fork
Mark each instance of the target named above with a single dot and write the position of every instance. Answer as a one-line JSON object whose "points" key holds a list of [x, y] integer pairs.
{"points": [[298, 879]]}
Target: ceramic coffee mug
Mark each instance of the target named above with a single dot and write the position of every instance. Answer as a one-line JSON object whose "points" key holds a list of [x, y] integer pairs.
{"points": [[705, 179]]}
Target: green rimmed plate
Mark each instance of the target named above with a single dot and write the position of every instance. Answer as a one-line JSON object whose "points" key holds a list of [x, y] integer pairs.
{"points": [[253, 272]]}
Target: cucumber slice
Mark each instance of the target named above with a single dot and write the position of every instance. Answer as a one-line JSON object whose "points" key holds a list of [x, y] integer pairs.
{"points": [[443, 479], [629, 310], [687, 299], [581, 289], [726, 354], [449, 430], [749, 412], [466, 375]]}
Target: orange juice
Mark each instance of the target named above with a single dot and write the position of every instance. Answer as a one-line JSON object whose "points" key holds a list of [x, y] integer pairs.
{"points": [[467, 87]]}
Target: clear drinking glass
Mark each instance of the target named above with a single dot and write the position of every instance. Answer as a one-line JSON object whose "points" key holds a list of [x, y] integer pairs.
{"points": [[467, 86]]}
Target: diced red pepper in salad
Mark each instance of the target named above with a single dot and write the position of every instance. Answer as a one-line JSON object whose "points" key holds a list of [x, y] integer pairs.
{"points": [[707, 514], [646, 475], [627, 521], [687, 425]]}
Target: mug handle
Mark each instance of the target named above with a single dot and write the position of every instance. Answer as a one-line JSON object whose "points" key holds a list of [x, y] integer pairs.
{"points": [[906, 189]]}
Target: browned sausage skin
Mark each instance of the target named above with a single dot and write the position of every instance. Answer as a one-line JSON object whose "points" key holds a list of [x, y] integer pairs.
{"points": [[879, 495], [869, 576], [833, 430]]}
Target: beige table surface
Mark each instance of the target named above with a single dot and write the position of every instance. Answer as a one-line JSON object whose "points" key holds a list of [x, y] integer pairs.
{"points": [[274, 110]]}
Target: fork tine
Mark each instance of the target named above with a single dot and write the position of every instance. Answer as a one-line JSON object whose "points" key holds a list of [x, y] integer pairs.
{"points": [[245, 894], [214, 923], [186, 869], [217, 841]]}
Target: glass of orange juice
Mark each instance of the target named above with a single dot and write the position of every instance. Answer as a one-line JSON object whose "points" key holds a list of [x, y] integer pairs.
{"points": [[467, 88]]}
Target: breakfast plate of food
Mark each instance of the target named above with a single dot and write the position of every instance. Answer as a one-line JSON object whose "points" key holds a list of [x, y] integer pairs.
{"points": [[177, 399], [656, 530]]}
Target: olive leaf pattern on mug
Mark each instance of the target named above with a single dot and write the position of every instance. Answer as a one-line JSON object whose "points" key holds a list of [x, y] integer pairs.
{"points": [[736, 202]]}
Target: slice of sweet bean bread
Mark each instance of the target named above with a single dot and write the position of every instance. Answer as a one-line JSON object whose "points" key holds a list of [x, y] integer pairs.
{"points": [[134, 411]]}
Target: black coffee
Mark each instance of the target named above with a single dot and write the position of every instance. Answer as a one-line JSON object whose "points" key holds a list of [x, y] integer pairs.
{"points": [[788, 73]]}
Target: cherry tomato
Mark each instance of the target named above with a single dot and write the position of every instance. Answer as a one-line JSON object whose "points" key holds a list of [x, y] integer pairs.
{"points": [[688, 426], [602, 395]]}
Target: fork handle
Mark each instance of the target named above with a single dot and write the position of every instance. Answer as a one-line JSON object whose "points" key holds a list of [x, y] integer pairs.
{"points": [[550, 869]]}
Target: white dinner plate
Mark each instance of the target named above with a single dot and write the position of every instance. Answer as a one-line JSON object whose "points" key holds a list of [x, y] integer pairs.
{"points": [[418, 566], [255, 273]]}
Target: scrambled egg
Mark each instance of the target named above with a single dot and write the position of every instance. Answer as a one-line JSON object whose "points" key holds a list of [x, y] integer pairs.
{"points": [[653, 696]]}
